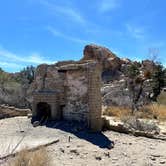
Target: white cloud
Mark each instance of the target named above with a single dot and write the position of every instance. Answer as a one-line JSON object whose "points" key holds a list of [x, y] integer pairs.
{"points": [[66, 11], [136, 31], [108, 5], [33, 58], [16, 66], [67, 37]]}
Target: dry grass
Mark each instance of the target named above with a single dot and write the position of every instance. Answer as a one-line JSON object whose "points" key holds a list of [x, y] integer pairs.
{"points": [[117, 111], [152, 111], [26, 158]]}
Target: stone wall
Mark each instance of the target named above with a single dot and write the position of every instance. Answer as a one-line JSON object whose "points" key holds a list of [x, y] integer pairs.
{"points": [[76, 106], [72, 91]]}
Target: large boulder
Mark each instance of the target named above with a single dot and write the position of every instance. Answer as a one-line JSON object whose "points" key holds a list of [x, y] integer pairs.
{"points": [[107, 59]]}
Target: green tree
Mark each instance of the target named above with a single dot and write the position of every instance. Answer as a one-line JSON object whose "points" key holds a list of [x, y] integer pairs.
{"points": [[27, 75], [158, 80]]}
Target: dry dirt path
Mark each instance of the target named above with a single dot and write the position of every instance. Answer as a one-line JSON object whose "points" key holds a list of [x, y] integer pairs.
{"points": [[83, 149], [128, 151]]}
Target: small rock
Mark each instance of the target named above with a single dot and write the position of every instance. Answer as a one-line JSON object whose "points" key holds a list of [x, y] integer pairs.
{"points": [[74, 151], [98, 158], [155, 155], [83, 157], [124, 154], [62, 150], [162, 162], [36, 123], [152, 148], [107, 154], [153, 158], [111, 145], [69, 138], [22, 131], [29, 116]]}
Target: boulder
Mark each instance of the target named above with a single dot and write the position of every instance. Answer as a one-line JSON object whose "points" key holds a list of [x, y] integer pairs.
{"points": [[103, 55]]}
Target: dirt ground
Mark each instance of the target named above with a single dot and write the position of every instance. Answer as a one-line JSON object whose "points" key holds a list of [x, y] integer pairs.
{"points": [[81, 148]]}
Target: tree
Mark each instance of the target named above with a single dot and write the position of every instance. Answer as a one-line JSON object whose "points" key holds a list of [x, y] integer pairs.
{"points": [[27, 75], [135, 85], [158, 80]]}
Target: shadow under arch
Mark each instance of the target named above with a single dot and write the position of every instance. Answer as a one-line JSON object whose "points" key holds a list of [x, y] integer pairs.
{"points": [[43, 110]]}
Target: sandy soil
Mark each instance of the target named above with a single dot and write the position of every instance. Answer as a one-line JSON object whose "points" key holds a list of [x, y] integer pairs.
{"points": [[81, 148]]}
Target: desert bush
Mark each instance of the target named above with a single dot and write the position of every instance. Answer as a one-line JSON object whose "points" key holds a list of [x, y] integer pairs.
{"points": [[133, 123], [26, 158]]}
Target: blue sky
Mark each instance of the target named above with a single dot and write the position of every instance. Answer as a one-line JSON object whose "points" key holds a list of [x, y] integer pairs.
{"points": [[46, 31]]}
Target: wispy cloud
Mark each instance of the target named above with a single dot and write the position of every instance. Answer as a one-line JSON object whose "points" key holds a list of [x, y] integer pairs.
{"points": [[137, 32], [14, 60], [64, 36], [66, 11], [10, 65], [108, 5]]}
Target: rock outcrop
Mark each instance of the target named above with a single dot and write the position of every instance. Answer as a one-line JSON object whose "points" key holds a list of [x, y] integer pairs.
{"points": [[114, 88], [103, 55]]}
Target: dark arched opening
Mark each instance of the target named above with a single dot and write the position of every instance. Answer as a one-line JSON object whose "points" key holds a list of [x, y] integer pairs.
{"points": [[43, 112]]}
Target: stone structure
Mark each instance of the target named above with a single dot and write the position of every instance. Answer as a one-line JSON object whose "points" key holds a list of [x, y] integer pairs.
{"points": [[69, 91]]}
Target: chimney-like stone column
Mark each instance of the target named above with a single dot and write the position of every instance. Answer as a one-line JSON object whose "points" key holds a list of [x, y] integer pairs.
{"points": [[94, 97]]}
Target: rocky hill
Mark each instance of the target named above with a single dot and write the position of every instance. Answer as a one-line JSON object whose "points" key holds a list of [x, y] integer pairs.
{"points": [[124, 82], [120, 87]]}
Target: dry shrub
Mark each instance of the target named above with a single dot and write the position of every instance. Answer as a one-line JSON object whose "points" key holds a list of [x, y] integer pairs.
{"points": [[26, 158], [117, 111], [133, 123], [152, 111], [156, 111]]}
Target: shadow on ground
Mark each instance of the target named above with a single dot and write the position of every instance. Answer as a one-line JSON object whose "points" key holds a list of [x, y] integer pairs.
{"points": [[98, 139]]}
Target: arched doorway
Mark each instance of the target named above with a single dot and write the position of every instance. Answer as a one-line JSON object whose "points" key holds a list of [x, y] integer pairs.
{"points": [[43, 112]]}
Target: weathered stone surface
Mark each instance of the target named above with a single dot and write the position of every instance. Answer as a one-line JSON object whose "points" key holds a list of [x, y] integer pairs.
{"points": [[148, 65], [75, 89], [137, 127], [103, 55]]}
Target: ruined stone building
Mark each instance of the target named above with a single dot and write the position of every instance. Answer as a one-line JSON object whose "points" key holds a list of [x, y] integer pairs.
{"points": [[72, 90], [69, 91]]}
